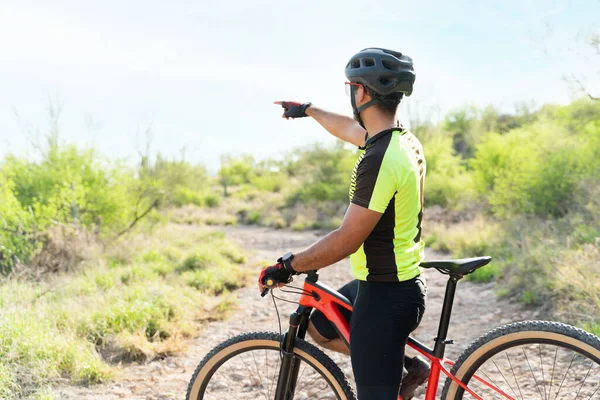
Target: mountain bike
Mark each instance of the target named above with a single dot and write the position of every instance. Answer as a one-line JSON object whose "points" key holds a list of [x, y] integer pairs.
{"points": [[524, 360]]}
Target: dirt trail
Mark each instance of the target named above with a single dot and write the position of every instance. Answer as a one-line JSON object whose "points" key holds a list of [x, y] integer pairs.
{"points": [[476, 310]]}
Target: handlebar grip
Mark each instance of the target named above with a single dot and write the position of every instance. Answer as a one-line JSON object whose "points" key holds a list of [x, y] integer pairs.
{"points": [[264, 292]]}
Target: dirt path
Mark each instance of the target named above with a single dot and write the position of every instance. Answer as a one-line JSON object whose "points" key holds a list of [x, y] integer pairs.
{"points": [[476, 310]]}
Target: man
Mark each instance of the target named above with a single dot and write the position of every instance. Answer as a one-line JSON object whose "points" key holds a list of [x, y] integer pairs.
{"points": [[381, 229]]}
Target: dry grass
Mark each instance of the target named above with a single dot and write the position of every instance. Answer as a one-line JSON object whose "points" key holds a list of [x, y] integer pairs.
{"points": [[66, 248], [466, 238], [577, 284], [266, 209], [134, 304], [479, 236], [550, 264]]}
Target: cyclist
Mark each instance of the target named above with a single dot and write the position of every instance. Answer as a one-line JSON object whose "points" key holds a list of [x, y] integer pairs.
{"points": [[381, 229]]}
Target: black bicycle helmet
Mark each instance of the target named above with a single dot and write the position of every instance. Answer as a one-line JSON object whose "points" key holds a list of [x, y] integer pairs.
{"points": [[383, 71]]}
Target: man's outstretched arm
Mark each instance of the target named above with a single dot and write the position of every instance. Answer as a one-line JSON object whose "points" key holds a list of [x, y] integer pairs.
{"points": [[338, 125]]}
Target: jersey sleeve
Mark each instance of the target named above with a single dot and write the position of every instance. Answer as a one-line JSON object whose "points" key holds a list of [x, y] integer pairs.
{"points": [[374, 184]]}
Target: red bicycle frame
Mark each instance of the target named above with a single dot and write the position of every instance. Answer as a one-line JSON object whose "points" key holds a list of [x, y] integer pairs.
{"points": [[321, 297]]}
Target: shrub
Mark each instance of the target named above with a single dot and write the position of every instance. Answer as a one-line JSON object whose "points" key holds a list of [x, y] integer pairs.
{"points": [[212, 200], [254, 218], [447, 183], [324, 173], [531, 170], [183, 196], [17, 235]]}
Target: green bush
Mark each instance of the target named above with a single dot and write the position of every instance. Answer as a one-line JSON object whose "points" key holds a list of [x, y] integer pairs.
{"points": [[70, 184], [447, 183], [67, 186], [254, 218], [324, 172], [176, 181], [212, 200], [531, 170], [268, 180], [183, 196], [17, 234]]}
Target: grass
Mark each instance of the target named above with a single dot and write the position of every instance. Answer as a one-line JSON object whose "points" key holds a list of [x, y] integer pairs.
{"points": [[471, 238], [265, 209], [550, 264], [135, 304]]}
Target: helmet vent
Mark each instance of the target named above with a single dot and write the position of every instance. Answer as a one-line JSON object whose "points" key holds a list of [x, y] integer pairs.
{"points": [[355, 63], [369, 62], [390, 65]]}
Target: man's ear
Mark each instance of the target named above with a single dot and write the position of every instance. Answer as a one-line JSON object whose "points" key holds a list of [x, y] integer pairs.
{"points": [[361, 94]]}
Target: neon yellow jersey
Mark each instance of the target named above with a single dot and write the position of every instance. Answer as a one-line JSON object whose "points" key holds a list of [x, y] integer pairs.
{"points": [[388, 177]]}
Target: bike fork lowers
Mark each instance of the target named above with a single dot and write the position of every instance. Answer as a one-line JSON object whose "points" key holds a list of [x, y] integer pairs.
{"points": [[290, 364]]}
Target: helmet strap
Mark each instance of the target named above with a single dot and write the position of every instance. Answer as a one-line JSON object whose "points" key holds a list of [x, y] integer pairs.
{"points": [[361, 108]]}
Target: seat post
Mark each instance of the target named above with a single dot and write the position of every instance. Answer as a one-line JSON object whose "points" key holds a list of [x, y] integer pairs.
{"points": [[440, 340]]}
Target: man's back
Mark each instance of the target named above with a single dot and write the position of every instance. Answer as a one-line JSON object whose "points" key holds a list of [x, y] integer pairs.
{"points": [[388, 178]]}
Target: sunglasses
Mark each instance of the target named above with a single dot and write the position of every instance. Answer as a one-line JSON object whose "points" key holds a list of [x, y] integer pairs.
{"points": [[349, 85]]}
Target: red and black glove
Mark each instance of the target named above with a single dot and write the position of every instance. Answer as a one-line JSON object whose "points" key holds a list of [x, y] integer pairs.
{"points": [[274, 275], [294, 109]]}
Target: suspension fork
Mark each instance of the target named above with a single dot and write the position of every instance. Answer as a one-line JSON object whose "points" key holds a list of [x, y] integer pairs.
{"points": [[290, 364]]}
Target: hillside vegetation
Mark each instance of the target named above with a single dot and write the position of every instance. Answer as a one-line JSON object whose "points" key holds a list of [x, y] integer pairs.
{"points": [[104, 262], [93, 275]]}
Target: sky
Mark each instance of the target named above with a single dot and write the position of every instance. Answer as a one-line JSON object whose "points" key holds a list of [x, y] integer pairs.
{"points": [[201, 75]]}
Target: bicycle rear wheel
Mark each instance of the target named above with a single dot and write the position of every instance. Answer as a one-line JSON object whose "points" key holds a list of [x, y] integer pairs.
{"points": [[530, 360], [247, 367]]}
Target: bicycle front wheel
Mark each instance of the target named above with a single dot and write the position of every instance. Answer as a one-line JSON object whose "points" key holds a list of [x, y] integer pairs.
{"points": [[247, 367], [529, 360]]}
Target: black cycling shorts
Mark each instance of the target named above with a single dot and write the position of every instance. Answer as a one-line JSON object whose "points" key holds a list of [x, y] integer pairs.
{"points": [[385, 313]]}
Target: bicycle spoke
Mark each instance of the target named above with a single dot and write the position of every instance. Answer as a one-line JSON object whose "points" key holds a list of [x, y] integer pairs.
{"points": [[595, 391], [257, 370], [542, 367], [233, 383], [514, 372], [552, 376], [311, 381], [505, 380], [246, 365], [532, 374], [302, 373], [584, 379], [485, 387], [563, 380], [274, 380], [254, 377], [267, 373], [228, 378], [311, 396], [514, 375]]}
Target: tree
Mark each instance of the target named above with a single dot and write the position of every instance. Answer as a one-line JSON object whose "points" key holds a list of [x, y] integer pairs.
{"points": [[235, 171]]}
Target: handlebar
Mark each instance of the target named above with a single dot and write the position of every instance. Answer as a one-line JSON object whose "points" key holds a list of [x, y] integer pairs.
{"points": [[270, 284]]}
